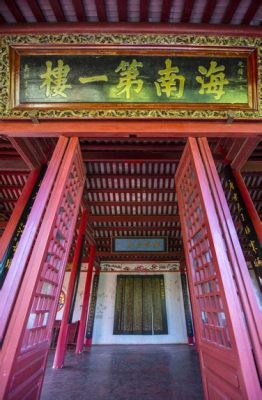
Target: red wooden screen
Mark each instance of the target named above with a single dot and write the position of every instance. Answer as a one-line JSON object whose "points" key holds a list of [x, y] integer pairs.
{"points": [[227, 363], [24, 353]]}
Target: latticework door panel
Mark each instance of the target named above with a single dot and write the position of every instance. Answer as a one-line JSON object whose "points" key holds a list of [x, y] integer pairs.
{"points": [[227, 364], [25, 350]]}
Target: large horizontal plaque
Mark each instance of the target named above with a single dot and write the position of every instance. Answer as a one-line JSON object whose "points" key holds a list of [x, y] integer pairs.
{"points": [[138, 244], [151, 78]]}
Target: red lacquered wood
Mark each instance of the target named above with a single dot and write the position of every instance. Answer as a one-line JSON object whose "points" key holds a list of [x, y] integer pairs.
{"points": [[227, 363], [18, 210], [142, 129], [127, 27], [236, 258], [249, 204], [18, 265], [63, 333], [24, 352], [82, 325]]}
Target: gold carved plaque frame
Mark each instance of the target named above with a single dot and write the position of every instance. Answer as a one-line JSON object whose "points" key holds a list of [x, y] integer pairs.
{"points": [[12, 46]]}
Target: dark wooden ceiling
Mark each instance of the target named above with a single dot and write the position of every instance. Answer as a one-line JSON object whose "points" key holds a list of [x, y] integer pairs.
{"points": [[235, 12]]}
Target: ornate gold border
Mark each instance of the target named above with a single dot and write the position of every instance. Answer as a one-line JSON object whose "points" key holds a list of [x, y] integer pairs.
{"points": [[6, 112]]}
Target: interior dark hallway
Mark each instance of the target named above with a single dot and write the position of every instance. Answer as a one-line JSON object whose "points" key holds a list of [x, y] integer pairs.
{"points": [[162, 372]]}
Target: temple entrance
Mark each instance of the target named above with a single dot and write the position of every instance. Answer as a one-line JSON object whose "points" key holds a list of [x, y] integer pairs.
{"points": [[121, 201]]}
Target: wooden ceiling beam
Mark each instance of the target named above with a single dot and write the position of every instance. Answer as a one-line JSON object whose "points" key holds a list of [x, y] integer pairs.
{"points": [[252, 167], [11, 166], [251, 11], [144, 129], [124, 190], [79, 10], [166, 10], [29, 153], [174, 255], [57, 10], [128, 157], [122, 10], [187, 10], [36, 10], [130, 176], [2, 19], [136, 228], [133, 147], [132, 203], [101, 11], [230, 11], [244, 152], [15, 10], [208, 11], [144, 6], [133, 218]]}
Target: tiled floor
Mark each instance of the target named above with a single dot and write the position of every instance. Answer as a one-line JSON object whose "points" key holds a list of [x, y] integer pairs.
{"points": [[163, 372]]}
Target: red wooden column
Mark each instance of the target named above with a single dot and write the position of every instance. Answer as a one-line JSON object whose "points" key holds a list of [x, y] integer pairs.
{"points": [[18, 210], [249, 204], [82, 325], [24, 352], [63, 333]]}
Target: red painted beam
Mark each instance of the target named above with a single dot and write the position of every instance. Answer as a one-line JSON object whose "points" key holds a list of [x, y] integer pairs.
{"points": [[130, 176], [10, 165], [132, 203], [251, 11], [140, 191], [134, 147], [63, 333], [125, 228], [133, 218], [187, 10], [15, 10], [126, 28], [128, 156], [249, 204], [28, 152], [144, 6], [166, 10], [36, 10], [58, 10], [174, 255], [230, 11], [79, 10], [245, 151], [101, 11], [122, 10], [125, 128], [2, 19], [208, 11]]}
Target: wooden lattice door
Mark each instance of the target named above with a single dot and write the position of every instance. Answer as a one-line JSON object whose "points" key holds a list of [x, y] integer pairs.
{"points": [[25, 348], [222, 326]]}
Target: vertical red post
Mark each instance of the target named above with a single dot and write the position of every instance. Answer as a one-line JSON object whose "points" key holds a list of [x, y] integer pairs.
{"points": [[18, 210], [249, 204], [82, 325], [63, 333]]}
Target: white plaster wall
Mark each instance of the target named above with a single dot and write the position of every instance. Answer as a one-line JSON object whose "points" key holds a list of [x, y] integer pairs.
{"points": [[104, 316], [79, 297]]}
